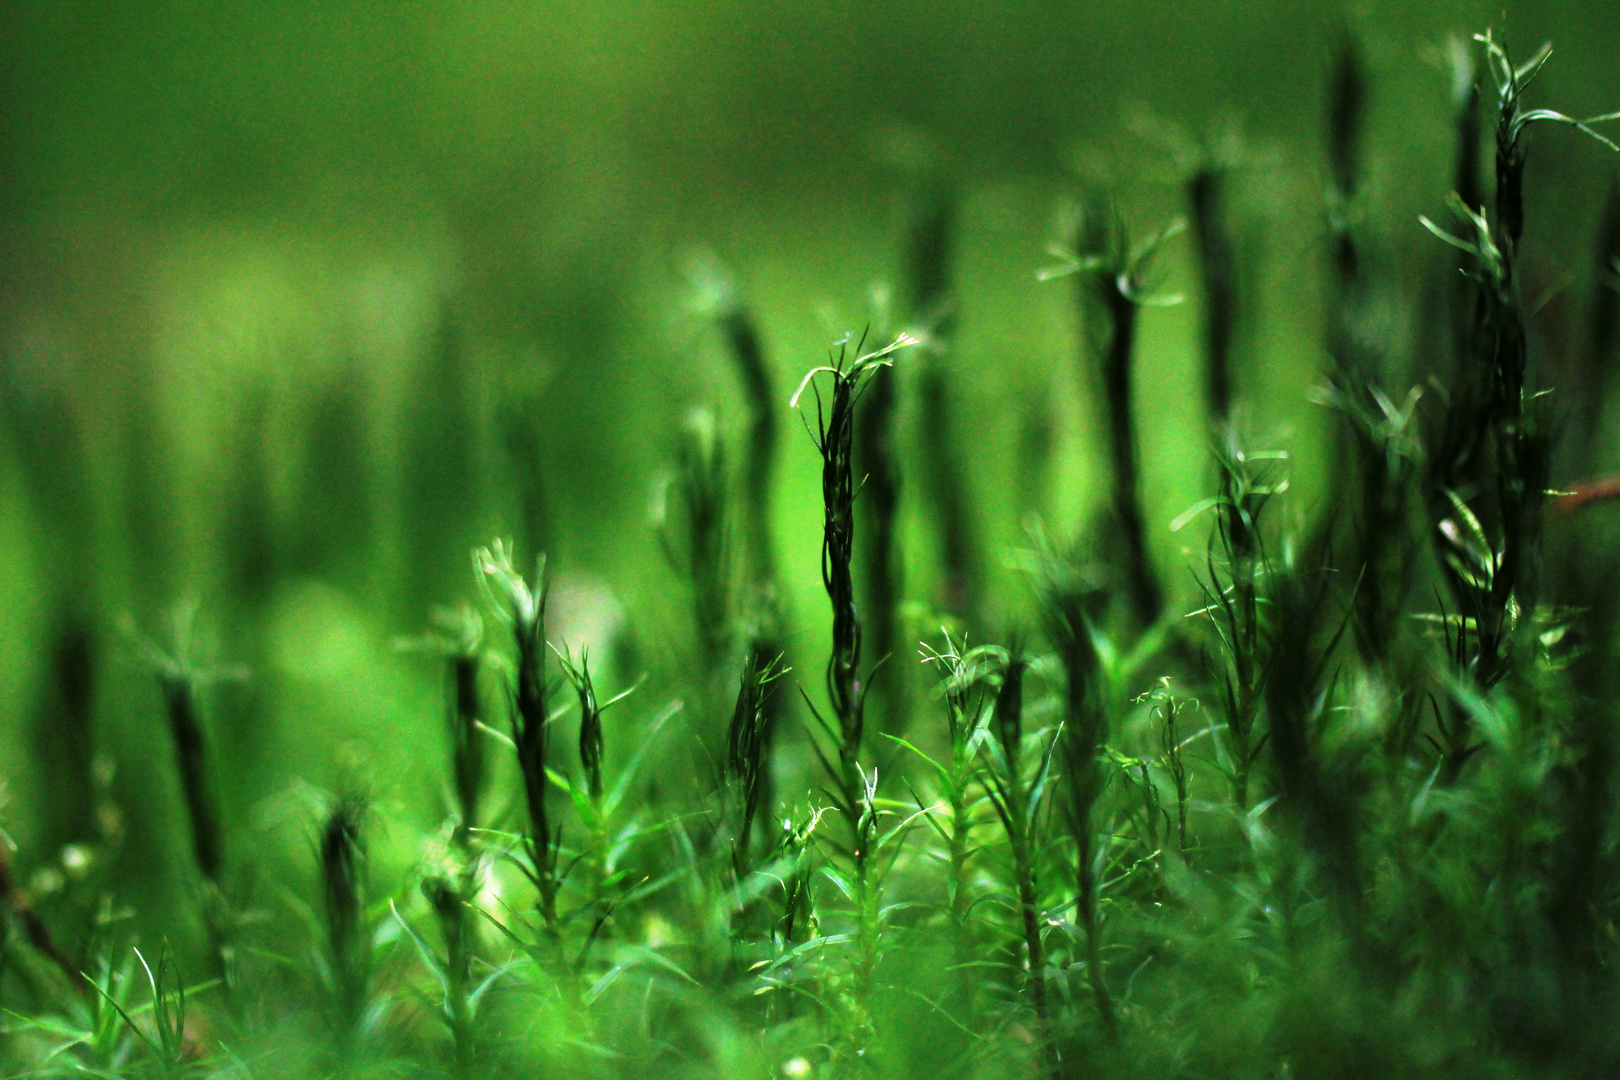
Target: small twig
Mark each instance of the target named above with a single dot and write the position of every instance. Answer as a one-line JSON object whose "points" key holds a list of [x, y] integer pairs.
{"points": [[1586, 493]]}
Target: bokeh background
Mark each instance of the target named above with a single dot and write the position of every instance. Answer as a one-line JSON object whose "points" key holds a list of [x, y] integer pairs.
{"points": [[299, 301]]}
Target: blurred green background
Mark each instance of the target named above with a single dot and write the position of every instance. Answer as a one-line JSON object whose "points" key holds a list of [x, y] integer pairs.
{"points": [[299, 301]]}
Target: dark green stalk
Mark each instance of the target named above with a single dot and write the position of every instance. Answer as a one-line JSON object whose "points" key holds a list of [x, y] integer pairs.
{"points": [[39, 420], [1296, 699], [448, 905], [747, 353], [747, 761], [465, 715], [1387, 544], [1084, 735], [1387, 448], [1469, 185], [1152, 845], [844, 688], [1217, 252], [1490, 458], [1356, 357], [590, 724], [704, 555], [867, 898], [517, 419], [457, 639], [594, 812], [207, 831], [1347, 100], [1017, 800], [65, 732], [1581, 872], [1465, 105], [343, 874], [1596, 377], [933, 305], [523, 606], [797, 920], [1374, 431], [961, 838], [797, 923], [770, 634], [256, 551], [1174, 760], [1037, 445], [1521, 450], [965, 691], [877, 458], [1111, 295], [192, 765], [961, 678], [1238, 568], [469, 742], [1581, 876], [1146, 598], [179, 681], [834, 438]]}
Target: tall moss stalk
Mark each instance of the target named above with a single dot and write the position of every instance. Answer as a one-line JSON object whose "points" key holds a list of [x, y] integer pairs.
{"points": [[929, 253], [1113, 290], [1347, 103], [834, 437], [589, 801], [343, 877], [42, 427], [194, 766], [747, 761], [770, 625], [1071, 609], [855, 789], [878, 460], [1297, 697], [963, 687], [1375, 428], [1489, 451], [1593, 375], [464, 708], [1468, 182], [1238, 569], [1017, 799], [699, 544], [521, 604], [1207, 192], [445, 898], [1173, 759]]}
